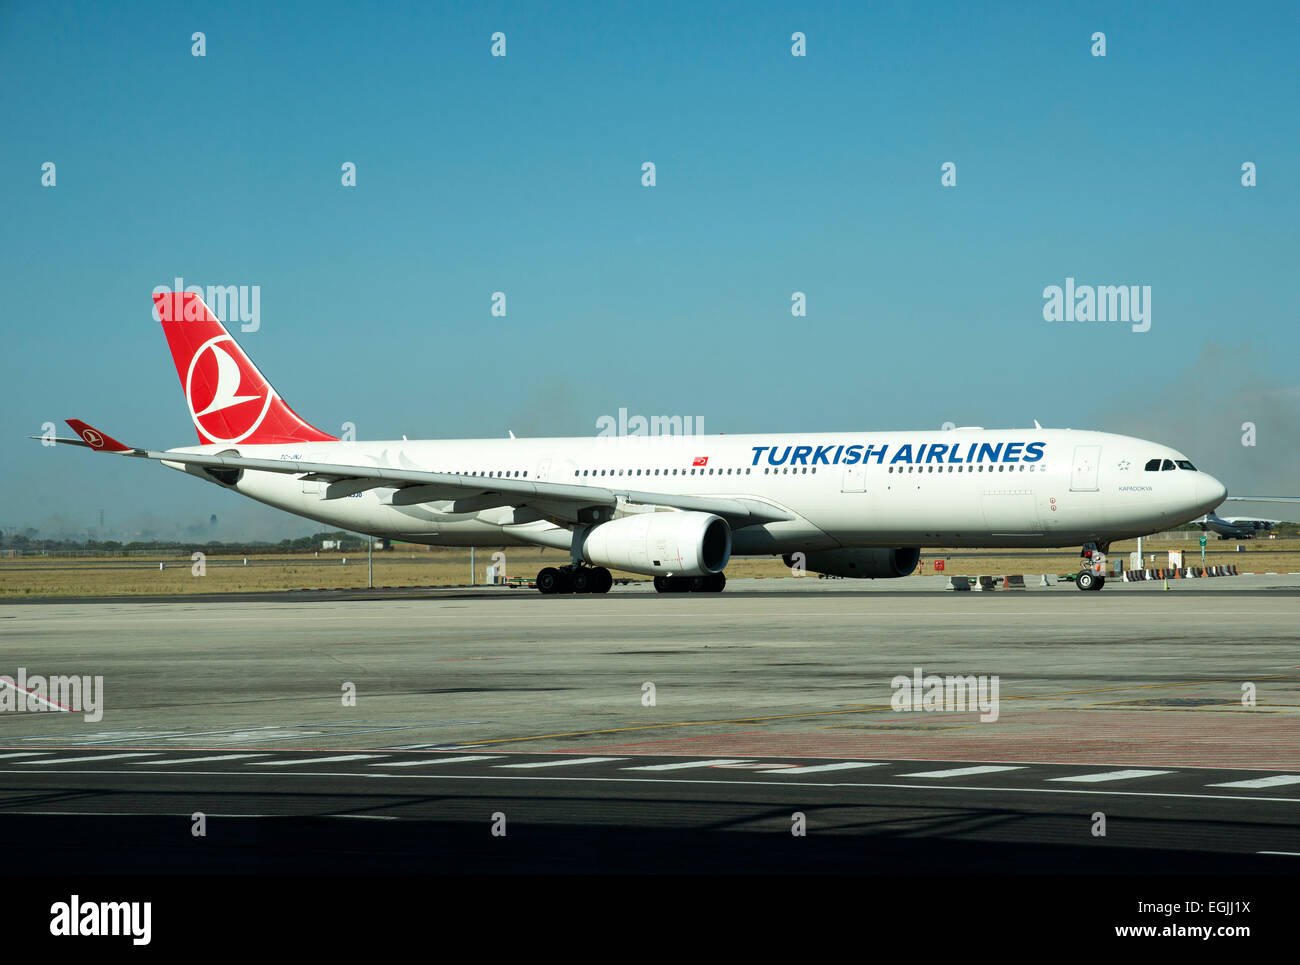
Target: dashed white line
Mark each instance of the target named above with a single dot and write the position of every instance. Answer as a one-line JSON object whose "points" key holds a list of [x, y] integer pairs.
{"points": [[440, 760], [315, 760], [91, 760], [819, 768], [684, 765], [963, 771], [1277, 780], [1126, 775], [571, 760], [200, 760]]}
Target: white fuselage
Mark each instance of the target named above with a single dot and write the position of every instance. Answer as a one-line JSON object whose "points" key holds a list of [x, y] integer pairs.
{"points": [[964, 487]]}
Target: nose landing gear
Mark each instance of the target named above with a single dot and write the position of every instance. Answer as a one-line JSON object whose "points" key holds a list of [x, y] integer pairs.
{"points": [[1093, 574]]}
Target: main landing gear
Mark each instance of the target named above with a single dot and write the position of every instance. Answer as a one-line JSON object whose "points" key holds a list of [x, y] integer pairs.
{"points": [[712, 583], [1093, 574], [574, 579]]}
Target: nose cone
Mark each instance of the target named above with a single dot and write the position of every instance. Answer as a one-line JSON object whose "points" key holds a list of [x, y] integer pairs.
{"points": [[1209, 492]]}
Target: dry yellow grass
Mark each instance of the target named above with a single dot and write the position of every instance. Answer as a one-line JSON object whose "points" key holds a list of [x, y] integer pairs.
{"points": [[417, 566]]}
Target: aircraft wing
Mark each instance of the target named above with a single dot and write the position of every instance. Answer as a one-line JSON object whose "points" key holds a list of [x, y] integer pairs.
{"points": [[466, 493]]}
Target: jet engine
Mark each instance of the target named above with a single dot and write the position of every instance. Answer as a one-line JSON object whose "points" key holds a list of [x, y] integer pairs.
{"points": [[661, 544]]}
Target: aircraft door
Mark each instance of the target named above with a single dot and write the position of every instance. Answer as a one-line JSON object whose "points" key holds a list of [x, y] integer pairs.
{"points": [[1083, 476], [855, 480]]}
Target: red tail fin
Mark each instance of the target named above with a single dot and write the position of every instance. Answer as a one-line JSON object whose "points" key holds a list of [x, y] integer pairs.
{"points": [[230, 401]]}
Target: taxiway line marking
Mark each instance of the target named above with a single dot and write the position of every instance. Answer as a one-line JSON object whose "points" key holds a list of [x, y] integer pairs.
{"points": [[819, 768], [688, 780], [1277, 780], [200, 760], [93, 757], [31, 694], [1124, 775], [570, 760], [963, 771], [440, 760], [685, 764], [315, 760]]}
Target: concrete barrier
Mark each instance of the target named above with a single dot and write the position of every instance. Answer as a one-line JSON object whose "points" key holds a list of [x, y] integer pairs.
{"points": [[960, 583], [1015, 581], [985, 583]]}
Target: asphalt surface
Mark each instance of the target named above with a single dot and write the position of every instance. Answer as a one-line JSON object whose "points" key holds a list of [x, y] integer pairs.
{"points": [[671, 734]]}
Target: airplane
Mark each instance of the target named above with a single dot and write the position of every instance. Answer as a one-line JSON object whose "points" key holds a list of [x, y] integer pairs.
{"points": [[1235, 527], [677, 508]]}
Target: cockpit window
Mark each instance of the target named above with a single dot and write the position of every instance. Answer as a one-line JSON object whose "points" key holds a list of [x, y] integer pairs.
{"points": [[1184, 464], [1153, 465], [1167, 465]]}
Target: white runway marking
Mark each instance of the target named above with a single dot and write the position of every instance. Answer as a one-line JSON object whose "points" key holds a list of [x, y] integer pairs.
{"points": [[685, 764], [440, 760], [95, 759], [315, 760], [819, 768], [963, 771], [571, 760], [200, 760], [1108, 776], [352, 775], [25, 754], [1277, 780]]}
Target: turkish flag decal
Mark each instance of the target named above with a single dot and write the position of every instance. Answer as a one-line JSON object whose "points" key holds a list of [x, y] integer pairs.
{"points": [[701, 461]]}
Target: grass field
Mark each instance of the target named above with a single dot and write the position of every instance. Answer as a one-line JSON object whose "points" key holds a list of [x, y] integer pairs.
{"points": [[40, 576]]}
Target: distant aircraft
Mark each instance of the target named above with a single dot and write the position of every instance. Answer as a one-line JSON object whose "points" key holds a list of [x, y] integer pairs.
{"points": [[1236, 527], [855, 504]]}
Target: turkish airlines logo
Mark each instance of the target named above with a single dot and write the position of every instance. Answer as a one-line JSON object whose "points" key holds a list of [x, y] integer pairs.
{"points": [[701, 461], [220, 387], [93, 438]]}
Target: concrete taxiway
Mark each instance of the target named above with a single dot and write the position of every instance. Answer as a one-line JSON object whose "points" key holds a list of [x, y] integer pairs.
{"points": [[675, 717]]}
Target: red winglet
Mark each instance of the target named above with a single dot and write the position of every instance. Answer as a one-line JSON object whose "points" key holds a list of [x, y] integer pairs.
{"points": [[99, 441]]}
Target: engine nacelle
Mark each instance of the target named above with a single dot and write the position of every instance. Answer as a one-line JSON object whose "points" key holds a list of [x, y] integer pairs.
{"points": [[861, 563], [661, 544]]}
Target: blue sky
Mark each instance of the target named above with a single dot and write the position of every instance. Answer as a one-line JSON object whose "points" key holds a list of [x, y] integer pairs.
{"points": [[522, 174]]}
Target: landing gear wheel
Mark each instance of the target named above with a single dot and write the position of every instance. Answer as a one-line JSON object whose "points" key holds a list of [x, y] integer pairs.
{"points": [[548, 581], [715, 583], [673, 584], [604, 580], [697, 584], [565, 582], [1101, 581], [584, 580], [1086, 580]]}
